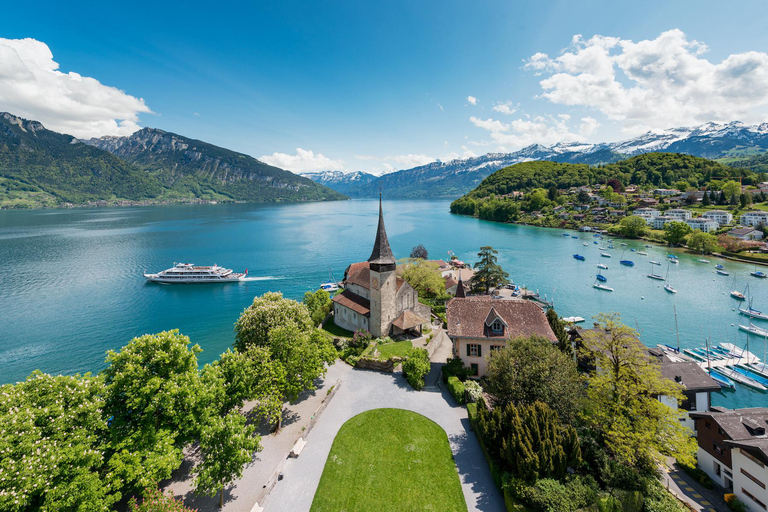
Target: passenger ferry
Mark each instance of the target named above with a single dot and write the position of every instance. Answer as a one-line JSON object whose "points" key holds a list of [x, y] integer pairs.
{"points": [[188, 273]]}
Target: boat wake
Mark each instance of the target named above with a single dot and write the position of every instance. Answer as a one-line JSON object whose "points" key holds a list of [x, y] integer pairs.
{"points": [[262, 278]]}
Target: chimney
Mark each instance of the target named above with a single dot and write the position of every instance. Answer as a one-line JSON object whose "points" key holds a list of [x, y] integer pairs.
{"points": [[678, 378]]}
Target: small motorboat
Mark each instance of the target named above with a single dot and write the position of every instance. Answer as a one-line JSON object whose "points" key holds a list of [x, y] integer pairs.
{"points": [[578, 257], [642, 253], [702, 260], [722, 272], [759, 273], [738, 295], [655, 262], [601, 278], [585, 244], [627, 263], [602, 287], [574, 237], [719, 266], [604, 267], [605, 255]]}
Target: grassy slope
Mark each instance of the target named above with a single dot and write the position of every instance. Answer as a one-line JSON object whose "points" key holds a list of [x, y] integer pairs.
{"points": [[389, 459]]}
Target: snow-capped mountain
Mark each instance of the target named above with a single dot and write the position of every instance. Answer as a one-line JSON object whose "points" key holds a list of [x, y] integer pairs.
{"points": [[457, 177], [339, 180]]}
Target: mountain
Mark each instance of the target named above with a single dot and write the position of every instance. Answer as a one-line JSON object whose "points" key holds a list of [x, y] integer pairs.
{"points": [[457, 177], [195, 169], [338, 180], [39, 167]]}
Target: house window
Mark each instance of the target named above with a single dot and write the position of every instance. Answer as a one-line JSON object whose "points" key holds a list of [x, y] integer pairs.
{"points": [[497, 327], [475, 369], [474, 350], [753, 498], [748, 475], [707, 424], [720, 431], [496, 347], [717, 469], [718, 448]]}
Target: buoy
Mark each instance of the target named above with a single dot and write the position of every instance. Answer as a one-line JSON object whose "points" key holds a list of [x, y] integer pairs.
{"points": [[642, 298], [731, 325]]}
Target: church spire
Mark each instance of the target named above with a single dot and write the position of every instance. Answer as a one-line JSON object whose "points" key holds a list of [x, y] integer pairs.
{"points": [[460, 293], [382, 253]]}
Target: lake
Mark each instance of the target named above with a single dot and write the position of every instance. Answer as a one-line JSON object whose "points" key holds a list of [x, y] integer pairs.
{"points": [[71, 284]]}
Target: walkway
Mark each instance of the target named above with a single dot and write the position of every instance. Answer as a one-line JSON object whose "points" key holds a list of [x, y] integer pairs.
{"points": [[692, 492], [361, 391]]}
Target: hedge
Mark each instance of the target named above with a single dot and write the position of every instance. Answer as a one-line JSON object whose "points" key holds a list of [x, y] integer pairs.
{"points": [[457, 388], [698, 474]]}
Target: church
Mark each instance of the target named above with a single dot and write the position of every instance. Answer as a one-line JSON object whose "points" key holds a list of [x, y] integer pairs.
{"points": [[375, 298]]}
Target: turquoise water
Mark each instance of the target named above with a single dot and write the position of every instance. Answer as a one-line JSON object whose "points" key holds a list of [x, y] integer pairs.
{"points": [[71, 286]]}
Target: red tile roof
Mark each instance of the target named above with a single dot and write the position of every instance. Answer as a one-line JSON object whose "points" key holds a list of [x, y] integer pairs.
{"points": [[360, 274], [354, 302], [467, 318]]}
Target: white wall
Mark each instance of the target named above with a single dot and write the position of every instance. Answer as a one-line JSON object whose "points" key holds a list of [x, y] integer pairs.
{"points": [[702, 401], [707, 463], [741, 481]]}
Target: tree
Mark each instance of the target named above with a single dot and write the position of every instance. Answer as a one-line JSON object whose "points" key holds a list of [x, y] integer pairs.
{"points": [[705, 199], [633, 226], [153, 397], [745, 200], [319, 305], [529, 441], [702, 242], [731, 189], [563, 340], [582, 197], [419, 252], [731, 243], [489, 274], [424, 276], [303, 356], [531, 369], [675, 232], [416, 367], [537, 200], [51, 445], [552, 193], [226, 445], [621, 396], [267, 312]]}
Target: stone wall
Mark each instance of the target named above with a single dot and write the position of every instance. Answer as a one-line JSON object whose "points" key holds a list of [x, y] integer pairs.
{"points": [[381, 366]]}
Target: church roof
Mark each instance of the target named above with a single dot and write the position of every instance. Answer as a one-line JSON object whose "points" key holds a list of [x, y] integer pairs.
{"points": [[360, 274], [382, 252], [354, 302]]}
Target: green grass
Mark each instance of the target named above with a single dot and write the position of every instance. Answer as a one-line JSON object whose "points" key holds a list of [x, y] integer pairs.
{"points": [[396, 349], [330, 328], [389, 459]]}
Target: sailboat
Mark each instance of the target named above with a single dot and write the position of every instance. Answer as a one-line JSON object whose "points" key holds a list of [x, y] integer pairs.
{"points": [[722, 380], [737, 294], [600, 265], [758, 273], [702, 259], [750, 311], [599, 277], [668, 286], [753, 329], [627, 263], [652, 275]]}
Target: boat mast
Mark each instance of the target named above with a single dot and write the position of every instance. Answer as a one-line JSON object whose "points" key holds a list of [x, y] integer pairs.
{"points": [[709, 366], [677, 330]]}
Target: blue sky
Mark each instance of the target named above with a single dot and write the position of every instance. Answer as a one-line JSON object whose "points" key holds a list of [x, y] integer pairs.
{"points": [[383, 86]]}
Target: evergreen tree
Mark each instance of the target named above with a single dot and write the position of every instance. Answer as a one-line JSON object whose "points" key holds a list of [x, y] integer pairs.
{"points": [[563, 340], [489, 274], [705, 200]]}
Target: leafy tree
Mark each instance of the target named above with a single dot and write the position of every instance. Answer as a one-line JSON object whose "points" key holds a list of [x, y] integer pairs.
{"points": [[732, 190], [267, 312], [633, 226], [51, 445], [155, 501], [529, 441], [303, 355], [582, 197], [419, 252], [416, 367], [702, 242], [531, 369], [621, 403], [552, 193], [675, 232], [745, 200], [226, 445], [152, 398], [489, 273], [319, 305], [731, 243], [424, 276], [537, 200], [563, 339]]}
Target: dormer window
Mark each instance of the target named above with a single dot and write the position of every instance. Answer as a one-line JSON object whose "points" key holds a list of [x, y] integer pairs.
{"points": [[497, 327]]}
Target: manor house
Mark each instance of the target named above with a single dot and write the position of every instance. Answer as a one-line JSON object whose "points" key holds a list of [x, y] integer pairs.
{"points": [[374, 298]]}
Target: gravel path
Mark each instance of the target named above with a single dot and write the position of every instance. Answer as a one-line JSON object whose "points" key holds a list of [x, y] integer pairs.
{"points": [[361, 391]]}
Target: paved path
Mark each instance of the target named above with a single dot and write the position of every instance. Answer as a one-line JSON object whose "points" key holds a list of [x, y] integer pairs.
{"points": [[692, 492], [361, 391]]}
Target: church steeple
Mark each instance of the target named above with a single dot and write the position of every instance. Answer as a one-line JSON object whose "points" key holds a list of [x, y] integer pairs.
{"points": [[381, 258]]}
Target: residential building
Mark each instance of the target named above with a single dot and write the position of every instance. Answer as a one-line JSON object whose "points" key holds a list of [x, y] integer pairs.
{"points": [[646, 212], [679, 214], [658, 222], [733, 451], [665, 192], [375, 298], [479, 325], [753, 218], [617, 213], [702, 224], [648, 202], [746, 233], [722, 217]]}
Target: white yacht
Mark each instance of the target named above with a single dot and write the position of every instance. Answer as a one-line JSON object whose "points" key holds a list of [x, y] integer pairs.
{"points": [[188, 273]]}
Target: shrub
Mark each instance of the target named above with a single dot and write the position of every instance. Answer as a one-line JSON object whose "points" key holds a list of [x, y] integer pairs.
{"points": [[473, 391], [416, 367], [549, 495], [456, 387], [698, 474], [455, 367], [658, 499], [361, 339], [734, 503]]}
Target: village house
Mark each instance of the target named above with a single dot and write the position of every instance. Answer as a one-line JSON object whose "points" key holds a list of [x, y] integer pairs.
{"points": [[479, 325], [375, 298], [722, 217], [746, 233], [680, 214], [646, 213], [753, 218], [702, 224], [733, 451], [647, 202], [617, 213], [664, 192]]}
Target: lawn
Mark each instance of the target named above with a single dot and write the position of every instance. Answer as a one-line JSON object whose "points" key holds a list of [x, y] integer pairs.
{"points": [[395, 349], [334, 330], [389, 459]]}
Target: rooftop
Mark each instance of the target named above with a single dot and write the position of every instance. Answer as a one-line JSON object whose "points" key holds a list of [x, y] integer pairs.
{"points": [[467, 317]]}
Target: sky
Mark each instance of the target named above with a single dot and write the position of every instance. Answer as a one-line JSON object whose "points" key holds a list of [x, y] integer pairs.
{"points": [[376, 87]]}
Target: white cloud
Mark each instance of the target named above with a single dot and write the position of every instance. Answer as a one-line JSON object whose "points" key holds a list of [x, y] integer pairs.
{"points": [[408, 161], [489, 124], [31, 86], [588, 126], [655, 83], [472, 100], [304, 160], [505, 108], [526, 130]]}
